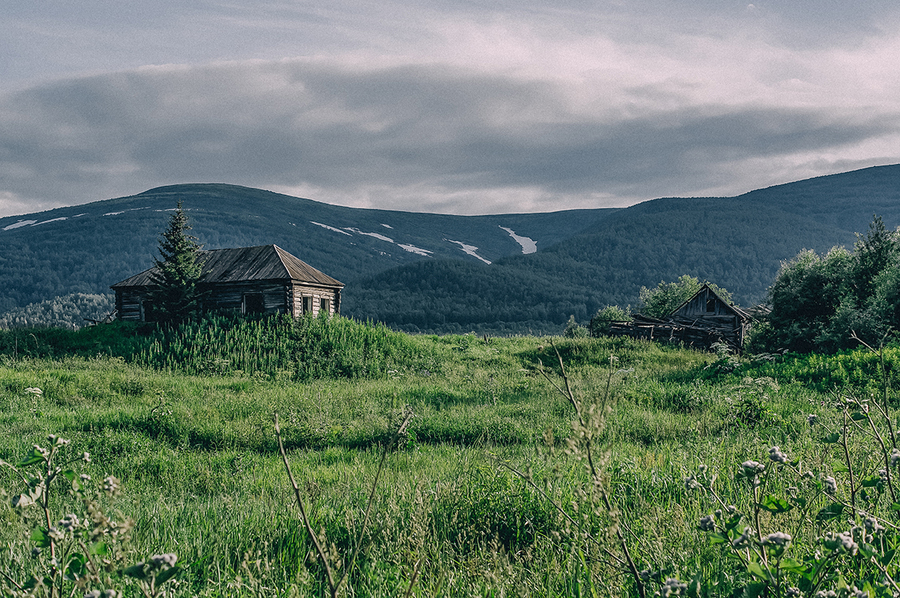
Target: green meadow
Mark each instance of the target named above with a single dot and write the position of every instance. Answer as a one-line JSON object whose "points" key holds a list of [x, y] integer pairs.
{"points": [[530, 466]]}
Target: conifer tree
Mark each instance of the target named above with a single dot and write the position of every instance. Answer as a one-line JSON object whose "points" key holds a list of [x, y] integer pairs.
{"points": [[177, 274]]}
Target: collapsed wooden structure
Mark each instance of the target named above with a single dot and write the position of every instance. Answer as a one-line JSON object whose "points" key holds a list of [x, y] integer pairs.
{"points": [[247, 280], [702, 321]]}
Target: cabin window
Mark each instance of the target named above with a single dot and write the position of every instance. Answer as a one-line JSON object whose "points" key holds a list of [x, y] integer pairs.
{"points": [[307, 305], [710, 304], [254, 303], [325, 306]]}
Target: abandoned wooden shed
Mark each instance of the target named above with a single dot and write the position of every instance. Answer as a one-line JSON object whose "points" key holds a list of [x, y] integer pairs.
{"points": [[247, 280], [702, 321]]}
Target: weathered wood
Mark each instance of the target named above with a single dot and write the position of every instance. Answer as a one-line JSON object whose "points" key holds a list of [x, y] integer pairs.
{"points": [[263, 279], [702, 321]]}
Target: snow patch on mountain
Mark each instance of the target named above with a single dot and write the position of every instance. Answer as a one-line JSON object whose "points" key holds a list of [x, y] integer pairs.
{"points": [[51, 220], [469, 249], [337, 230], [135, 210], [376, 235], [414, 249], [19, 224], [387, 226], [528, 245]]}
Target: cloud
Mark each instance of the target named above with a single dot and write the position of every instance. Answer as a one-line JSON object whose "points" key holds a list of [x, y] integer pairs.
{"points": [[445, 109]]}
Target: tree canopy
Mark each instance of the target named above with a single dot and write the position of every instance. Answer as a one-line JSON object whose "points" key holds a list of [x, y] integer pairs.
{"points": [[177, 274], [819, 303], [665, 298]]}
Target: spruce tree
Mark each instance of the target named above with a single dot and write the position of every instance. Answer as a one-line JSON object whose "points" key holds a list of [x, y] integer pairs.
{"points": [[177, 275]]}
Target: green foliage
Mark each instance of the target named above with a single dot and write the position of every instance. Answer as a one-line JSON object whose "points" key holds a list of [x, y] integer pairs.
{"points": [[494, 492], [820, 303], [601, 321], [70, 311], [575, 330], [306, 348], [83, 551], [177, 275], [665, 298]]}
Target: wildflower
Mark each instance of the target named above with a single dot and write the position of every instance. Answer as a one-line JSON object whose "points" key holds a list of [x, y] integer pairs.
{"points": [[872, 525], [842, 542], [163, 561], [673, 587], [86, 457], [752, 468], [777, 456], [742, 540], [829, 485], [777, 539], [812, 419], [708, 523], [69, 523], [111, 486], [53, 439]]}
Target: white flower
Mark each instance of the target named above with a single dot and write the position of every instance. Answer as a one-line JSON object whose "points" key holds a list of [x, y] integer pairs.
{"points": [[111, 486], [741, 540], [812, 419], [777, 456], [842, 542], [163, 561], [830, 485], [777, 539], [673, 587]]}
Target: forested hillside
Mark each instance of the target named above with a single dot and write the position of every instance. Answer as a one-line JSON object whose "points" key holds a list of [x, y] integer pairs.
{"points": [[738, 243], [427, 272], [87, 248]]}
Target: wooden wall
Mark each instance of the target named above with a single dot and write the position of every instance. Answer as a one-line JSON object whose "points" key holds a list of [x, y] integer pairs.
{"points": [[271, 296]]}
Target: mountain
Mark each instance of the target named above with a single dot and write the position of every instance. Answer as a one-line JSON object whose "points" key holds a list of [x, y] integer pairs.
{"points": [[89, 247], [429, 272], [738, 243]]}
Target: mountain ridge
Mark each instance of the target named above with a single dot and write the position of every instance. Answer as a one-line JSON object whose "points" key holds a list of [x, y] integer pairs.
{"points": [[429, 272]]}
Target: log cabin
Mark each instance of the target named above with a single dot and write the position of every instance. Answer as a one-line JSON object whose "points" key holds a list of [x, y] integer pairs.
{"points": [[247, 280]]}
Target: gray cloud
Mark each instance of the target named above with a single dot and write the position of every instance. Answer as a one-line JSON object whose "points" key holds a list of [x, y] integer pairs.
{"points": [[465, 107], [423, 137]]}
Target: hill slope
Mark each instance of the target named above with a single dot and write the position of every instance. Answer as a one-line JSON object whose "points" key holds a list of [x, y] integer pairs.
{"points": [[738, 243], [87, 248], [430, 272]]}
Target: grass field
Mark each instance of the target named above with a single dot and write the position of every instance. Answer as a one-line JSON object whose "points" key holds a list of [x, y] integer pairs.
{"points": [[484, 496]]}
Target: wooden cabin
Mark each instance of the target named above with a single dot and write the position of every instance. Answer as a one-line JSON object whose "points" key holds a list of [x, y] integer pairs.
{"points": [[702, 321], [247, 280]]}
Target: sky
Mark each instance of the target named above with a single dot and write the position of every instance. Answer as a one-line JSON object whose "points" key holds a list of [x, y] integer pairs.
{"points": [[458, 107]]}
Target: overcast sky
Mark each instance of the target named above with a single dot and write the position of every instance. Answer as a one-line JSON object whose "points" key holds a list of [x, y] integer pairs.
{"points": [[466, 107]]}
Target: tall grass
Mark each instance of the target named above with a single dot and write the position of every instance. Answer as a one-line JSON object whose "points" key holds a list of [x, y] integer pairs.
{"points": [[201, 476]]}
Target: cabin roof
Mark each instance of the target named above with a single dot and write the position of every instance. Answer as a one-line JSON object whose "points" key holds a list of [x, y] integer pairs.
{"points": [[735, 309], [263, 262]]}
